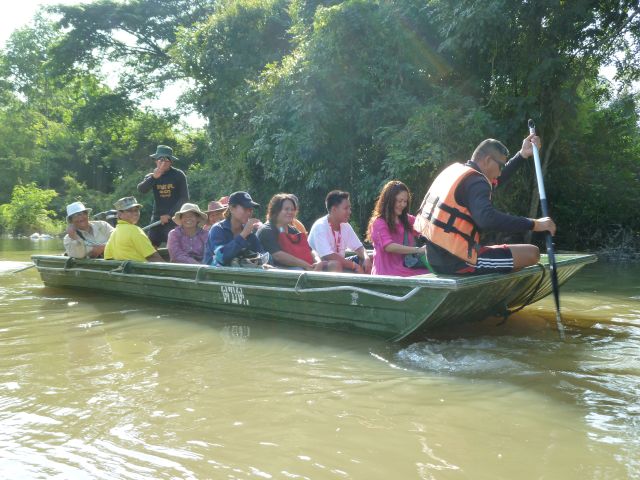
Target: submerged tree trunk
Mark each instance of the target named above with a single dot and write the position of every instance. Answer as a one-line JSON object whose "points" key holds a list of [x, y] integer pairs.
{"points": [[535, 196]]}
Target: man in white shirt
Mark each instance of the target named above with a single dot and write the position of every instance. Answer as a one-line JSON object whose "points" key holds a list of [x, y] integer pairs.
{"points": [[85, 239], [331, 235]]}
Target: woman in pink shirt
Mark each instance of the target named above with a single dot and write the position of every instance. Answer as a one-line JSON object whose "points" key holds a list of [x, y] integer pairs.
{"points": [[389, 222], [186, 242]]}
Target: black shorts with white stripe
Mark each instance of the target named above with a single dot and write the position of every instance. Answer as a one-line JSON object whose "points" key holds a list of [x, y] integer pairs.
{"points": [[491, 259]]}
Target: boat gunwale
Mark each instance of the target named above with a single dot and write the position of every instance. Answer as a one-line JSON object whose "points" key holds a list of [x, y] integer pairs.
{"points": [[296, 290], [449, 282]]}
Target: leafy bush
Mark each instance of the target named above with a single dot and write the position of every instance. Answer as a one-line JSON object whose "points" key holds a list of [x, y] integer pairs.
{"points": [[28, 211]]}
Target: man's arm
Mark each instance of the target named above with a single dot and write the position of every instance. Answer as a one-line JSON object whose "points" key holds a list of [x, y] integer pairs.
{"points": [[181, 192], [74, 247], [184, 188], [525, 151], [510, 168], [478, 199], [346, 264], [147, 182]]}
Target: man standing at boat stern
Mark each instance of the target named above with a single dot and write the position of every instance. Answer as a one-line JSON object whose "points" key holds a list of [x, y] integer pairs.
{"points": [[458, 207], [170, 192]]}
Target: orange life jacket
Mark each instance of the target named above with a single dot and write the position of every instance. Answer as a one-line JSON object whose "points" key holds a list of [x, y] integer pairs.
{"points": [[444, 221]]}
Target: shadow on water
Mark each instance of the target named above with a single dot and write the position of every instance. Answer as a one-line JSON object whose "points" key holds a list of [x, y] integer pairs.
{"points": [[232, 328]]}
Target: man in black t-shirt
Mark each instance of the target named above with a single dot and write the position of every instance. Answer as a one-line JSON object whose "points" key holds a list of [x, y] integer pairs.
{"points": [[170, 192]]}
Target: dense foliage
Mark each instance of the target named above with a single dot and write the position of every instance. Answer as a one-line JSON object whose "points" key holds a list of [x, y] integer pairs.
{"points": [[310, 95], [28, 210]]}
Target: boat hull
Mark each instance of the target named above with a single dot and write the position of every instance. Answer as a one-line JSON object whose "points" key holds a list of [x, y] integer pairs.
{"points": [[392, 308]]}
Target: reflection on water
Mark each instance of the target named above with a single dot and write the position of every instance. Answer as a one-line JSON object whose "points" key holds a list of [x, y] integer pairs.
{"points": [[110, 387]]}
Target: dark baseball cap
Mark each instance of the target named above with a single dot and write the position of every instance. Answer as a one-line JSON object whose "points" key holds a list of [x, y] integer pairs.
{"points": [[243, 199]]}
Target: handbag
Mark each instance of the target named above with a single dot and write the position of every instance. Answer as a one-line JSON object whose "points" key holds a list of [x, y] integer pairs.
{"points": [[413, 260], [250, 259], [296, 244]]}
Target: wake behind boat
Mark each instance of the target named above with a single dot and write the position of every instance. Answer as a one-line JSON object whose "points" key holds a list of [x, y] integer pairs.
{"points": [[394, 308]]}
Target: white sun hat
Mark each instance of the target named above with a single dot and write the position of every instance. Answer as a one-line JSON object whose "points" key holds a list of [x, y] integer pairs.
{"points": [[76, 207]]}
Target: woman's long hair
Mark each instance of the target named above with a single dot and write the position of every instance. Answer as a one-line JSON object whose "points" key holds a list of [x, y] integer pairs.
{"points": [[385, 207], [276, 204]]}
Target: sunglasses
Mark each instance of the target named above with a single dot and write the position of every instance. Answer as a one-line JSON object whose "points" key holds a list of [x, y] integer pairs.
{"points": [[501, 165]]}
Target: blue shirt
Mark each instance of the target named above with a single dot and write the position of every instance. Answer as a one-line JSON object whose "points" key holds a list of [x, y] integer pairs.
{"points": [[222, 246]]}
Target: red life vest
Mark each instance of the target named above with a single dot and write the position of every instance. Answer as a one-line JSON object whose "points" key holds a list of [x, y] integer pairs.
{"points": [[444, 221], [296, 244]]}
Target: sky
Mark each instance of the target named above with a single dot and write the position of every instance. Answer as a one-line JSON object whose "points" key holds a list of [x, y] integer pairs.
{"points": [[17, 14]]}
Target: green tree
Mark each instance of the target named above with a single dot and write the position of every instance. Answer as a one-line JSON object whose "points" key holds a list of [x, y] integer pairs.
{"points": [[530, 59], [136, 34], [27, 212]]}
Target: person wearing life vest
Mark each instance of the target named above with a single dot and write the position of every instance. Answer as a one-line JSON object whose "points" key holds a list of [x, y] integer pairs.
{"points": [[458, 208]]}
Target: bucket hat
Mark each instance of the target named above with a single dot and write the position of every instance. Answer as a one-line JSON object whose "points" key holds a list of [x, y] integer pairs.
{"points": [[215, 206], [189, 207], [243, 199], [76, 207], [126, 203], [164, 151]]}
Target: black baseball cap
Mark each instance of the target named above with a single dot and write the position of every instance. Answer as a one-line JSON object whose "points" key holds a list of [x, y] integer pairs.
{"points": [[243, 199]]}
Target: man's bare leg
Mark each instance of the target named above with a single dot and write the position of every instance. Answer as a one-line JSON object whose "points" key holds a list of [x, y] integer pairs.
{"points": [[524, 255]]}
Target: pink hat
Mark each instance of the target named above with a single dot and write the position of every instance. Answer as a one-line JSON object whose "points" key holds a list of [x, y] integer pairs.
{"points": [[224, 200], [215, 206]]}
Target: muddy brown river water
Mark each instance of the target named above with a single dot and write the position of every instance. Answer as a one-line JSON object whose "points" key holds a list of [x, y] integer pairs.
{"points": [[109, 387]]}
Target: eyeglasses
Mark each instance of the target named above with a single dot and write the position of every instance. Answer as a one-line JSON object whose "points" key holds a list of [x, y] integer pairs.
{"points": [[164, 159], [501, 165], [80, 214]]}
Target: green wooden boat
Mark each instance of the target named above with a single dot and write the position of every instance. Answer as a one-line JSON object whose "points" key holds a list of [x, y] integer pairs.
{"points": [[393, 308]]}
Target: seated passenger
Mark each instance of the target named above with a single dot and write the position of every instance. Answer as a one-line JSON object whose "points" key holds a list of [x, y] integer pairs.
{"points": [[391, 232], [331, 235], [234, 236], [288, 246], [186, 242], [128, 241], [84, 238], [215, 213]]}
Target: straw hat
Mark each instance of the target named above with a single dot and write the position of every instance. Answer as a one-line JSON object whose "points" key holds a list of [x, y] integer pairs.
{"points": [[215, 206], [189, 207]]}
